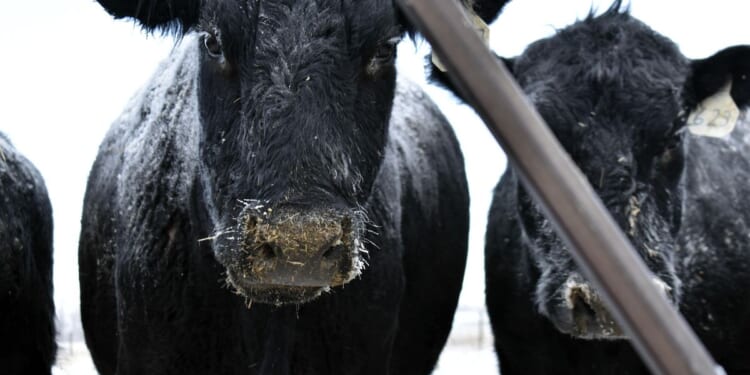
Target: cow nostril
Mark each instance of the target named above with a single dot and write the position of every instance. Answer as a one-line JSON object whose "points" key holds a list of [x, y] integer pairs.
{"points": [[579, 301], [251, 223], [581, 307], [267, 251], [583, 314], [333, 252], [346, 224]]}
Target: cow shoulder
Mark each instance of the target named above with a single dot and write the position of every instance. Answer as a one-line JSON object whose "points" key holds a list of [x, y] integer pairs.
{"points": [[423, 146], [715, 181], [148, 160]]}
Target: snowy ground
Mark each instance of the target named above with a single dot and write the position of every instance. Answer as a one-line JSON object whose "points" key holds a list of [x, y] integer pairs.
{"points": [[469, 349], [73, 359]]}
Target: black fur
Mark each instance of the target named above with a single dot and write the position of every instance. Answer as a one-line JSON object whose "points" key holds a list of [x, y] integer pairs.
{"points": [[617, 95], [292, 106], [27, 311]]}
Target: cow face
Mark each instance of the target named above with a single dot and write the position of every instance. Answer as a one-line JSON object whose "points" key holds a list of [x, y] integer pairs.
{"points": [[617, 96], [295, 99]]}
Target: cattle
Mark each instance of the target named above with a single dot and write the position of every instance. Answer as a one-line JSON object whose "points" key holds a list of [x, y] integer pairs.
{"points": [[27, 310], [633, 113], [274, 200]]}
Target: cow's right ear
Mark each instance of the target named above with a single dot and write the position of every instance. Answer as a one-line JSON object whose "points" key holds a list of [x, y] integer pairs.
{"points": [[441, 78], [163, 15]]}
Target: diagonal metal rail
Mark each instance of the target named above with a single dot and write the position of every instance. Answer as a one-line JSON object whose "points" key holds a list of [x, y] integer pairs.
{"points": [[660, 334]]}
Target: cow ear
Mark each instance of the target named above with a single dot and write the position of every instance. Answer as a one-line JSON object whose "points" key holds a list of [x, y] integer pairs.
{"points": [[708, 76], [163, 15], [479, 12], [717, 91], [441, 78], [488, 10]]}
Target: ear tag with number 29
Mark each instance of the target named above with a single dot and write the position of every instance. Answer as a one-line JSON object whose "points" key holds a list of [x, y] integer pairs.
{"points": [[716, 116]]}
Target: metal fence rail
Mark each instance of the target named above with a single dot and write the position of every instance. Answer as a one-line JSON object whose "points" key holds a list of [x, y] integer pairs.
{"points": [[601, 250]]}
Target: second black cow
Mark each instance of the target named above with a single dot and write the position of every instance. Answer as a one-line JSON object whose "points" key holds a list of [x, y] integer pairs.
{"points": [[631, 111], [618, 96]]}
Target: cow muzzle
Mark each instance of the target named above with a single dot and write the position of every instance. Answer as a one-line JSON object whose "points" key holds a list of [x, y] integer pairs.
{"points": [[583, 315], [291, 256]]}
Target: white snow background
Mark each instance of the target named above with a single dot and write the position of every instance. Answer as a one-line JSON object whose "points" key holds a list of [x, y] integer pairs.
{"points": [[67, 69]]}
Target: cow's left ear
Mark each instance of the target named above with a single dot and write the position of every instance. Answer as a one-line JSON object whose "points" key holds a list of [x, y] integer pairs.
{"points": [[708, 76], [165, 15]]}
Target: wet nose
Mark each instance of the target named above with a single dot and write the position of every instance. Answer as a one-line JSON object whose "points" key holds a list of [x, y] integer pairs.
{"points": [[588, 316], [299, 248]]}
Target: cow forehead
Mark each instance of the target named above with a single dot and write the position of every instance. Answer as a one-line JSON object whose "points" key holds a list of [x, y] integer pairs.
{"points": [[609, 52], [359, 17], [622, 120], [610, 74]]}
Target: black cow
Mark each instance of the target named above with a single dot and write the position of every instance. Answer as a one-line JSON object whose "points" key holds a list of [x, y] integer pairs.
{"points": [[27, 311], [618, 96], [273, 201]]}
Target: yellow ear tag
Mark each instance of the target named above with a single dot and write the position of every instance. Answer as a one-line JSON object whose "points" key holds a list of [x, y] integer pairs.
{"points": [[478, 24], [716, 116]]}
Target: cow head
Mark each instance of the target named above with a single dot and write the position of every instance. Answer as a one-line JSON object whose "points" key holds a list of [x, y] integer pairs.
{"points": [[294, 100], [617, 95]]}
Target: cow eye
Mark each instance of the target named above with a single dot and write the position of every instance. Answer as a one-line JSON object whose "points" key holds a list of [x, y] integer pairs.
{"points": [[213, 46], [386, 51]]}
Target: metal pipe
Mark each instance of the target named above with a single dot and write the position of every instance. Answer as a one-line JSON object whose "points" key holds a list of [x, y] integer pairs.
{"points": [[601, 250]]}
